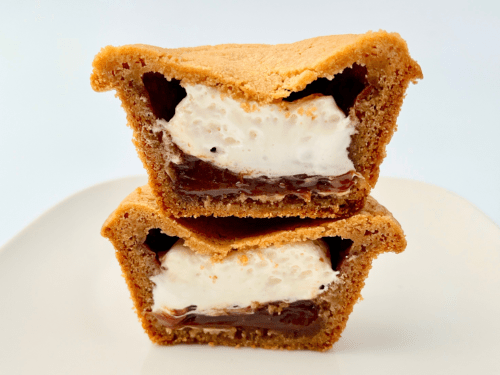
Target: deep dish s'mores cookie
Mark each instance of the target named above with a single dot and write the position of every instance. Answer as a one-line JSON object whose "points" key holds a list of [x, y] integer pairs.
{"points": [[263, 131], [291, 283]]}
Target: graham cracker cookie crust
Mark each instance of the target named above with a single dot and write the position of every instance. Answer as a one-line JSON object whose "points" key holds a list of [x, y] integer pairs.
{"points": [[264, 74], [369, 233]]}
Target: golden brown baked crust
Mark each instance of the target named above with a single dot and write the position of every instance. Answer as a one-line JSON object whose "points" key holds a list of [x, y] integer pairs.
{"points": [[373, 231], [257, 72], [265, 74]]}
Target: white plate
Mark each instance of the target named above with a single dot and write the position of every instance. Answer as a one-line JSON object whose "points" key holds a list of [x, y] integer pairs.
{"points": [[64, 308]]}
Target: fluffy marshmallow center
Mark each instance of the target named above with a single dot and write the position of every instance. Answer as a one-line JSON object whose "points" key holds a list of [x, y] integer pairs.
{"points": [[297, 271], [308, 137]]}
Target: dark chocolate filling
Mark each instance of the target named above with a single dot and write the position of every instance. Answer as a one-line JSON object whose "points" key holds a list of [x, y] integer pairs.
{"points": [[298, 319], [197, 178], [344, 87]]}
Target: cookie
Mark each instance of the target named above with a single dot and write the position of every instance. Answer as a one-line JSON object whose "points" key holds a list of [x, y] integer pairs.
{"points": [[270, 283], [262, 130]]}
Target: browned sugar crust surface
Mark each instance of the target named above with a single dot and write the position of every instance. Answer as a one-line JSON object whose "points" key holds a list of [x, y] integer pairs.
{"points": [[265, 74], [372, 231]]}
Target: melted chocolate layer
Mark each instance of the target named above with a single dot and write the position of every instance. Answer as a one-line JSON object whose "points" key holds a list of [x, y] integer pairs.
{"points": [[300, 318], [195, 177], [344, 87]]}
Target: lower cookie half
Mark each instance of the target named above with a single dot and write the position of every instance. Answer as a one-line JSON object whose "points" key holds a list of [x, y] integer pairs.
{"points": [[142, 241]]}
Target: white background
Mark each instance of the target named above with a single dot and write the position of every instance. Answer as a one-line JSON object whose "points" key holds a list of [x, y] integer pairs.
{"points": [[57, 136]]}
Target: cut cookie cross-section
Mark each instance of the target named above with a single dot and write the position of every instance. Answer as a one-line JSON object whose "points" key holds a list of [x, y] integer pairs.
{"points": [[262, 130], [270, 283]]}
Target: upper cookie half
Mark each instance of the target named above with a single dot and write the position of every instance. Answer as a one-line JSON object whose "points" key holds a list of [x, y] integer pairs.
{"points": [[262, 131]]}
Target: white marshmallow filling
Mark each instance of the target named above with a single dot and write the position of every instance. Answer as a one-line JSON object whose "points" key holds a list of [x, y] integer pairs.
{"points": [[308, 137], [293, 272]]}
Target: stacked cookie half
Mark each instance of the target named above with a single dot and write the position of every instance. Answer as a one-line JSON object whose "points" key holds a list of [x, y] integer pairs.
{"points": [[256, 228]]}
